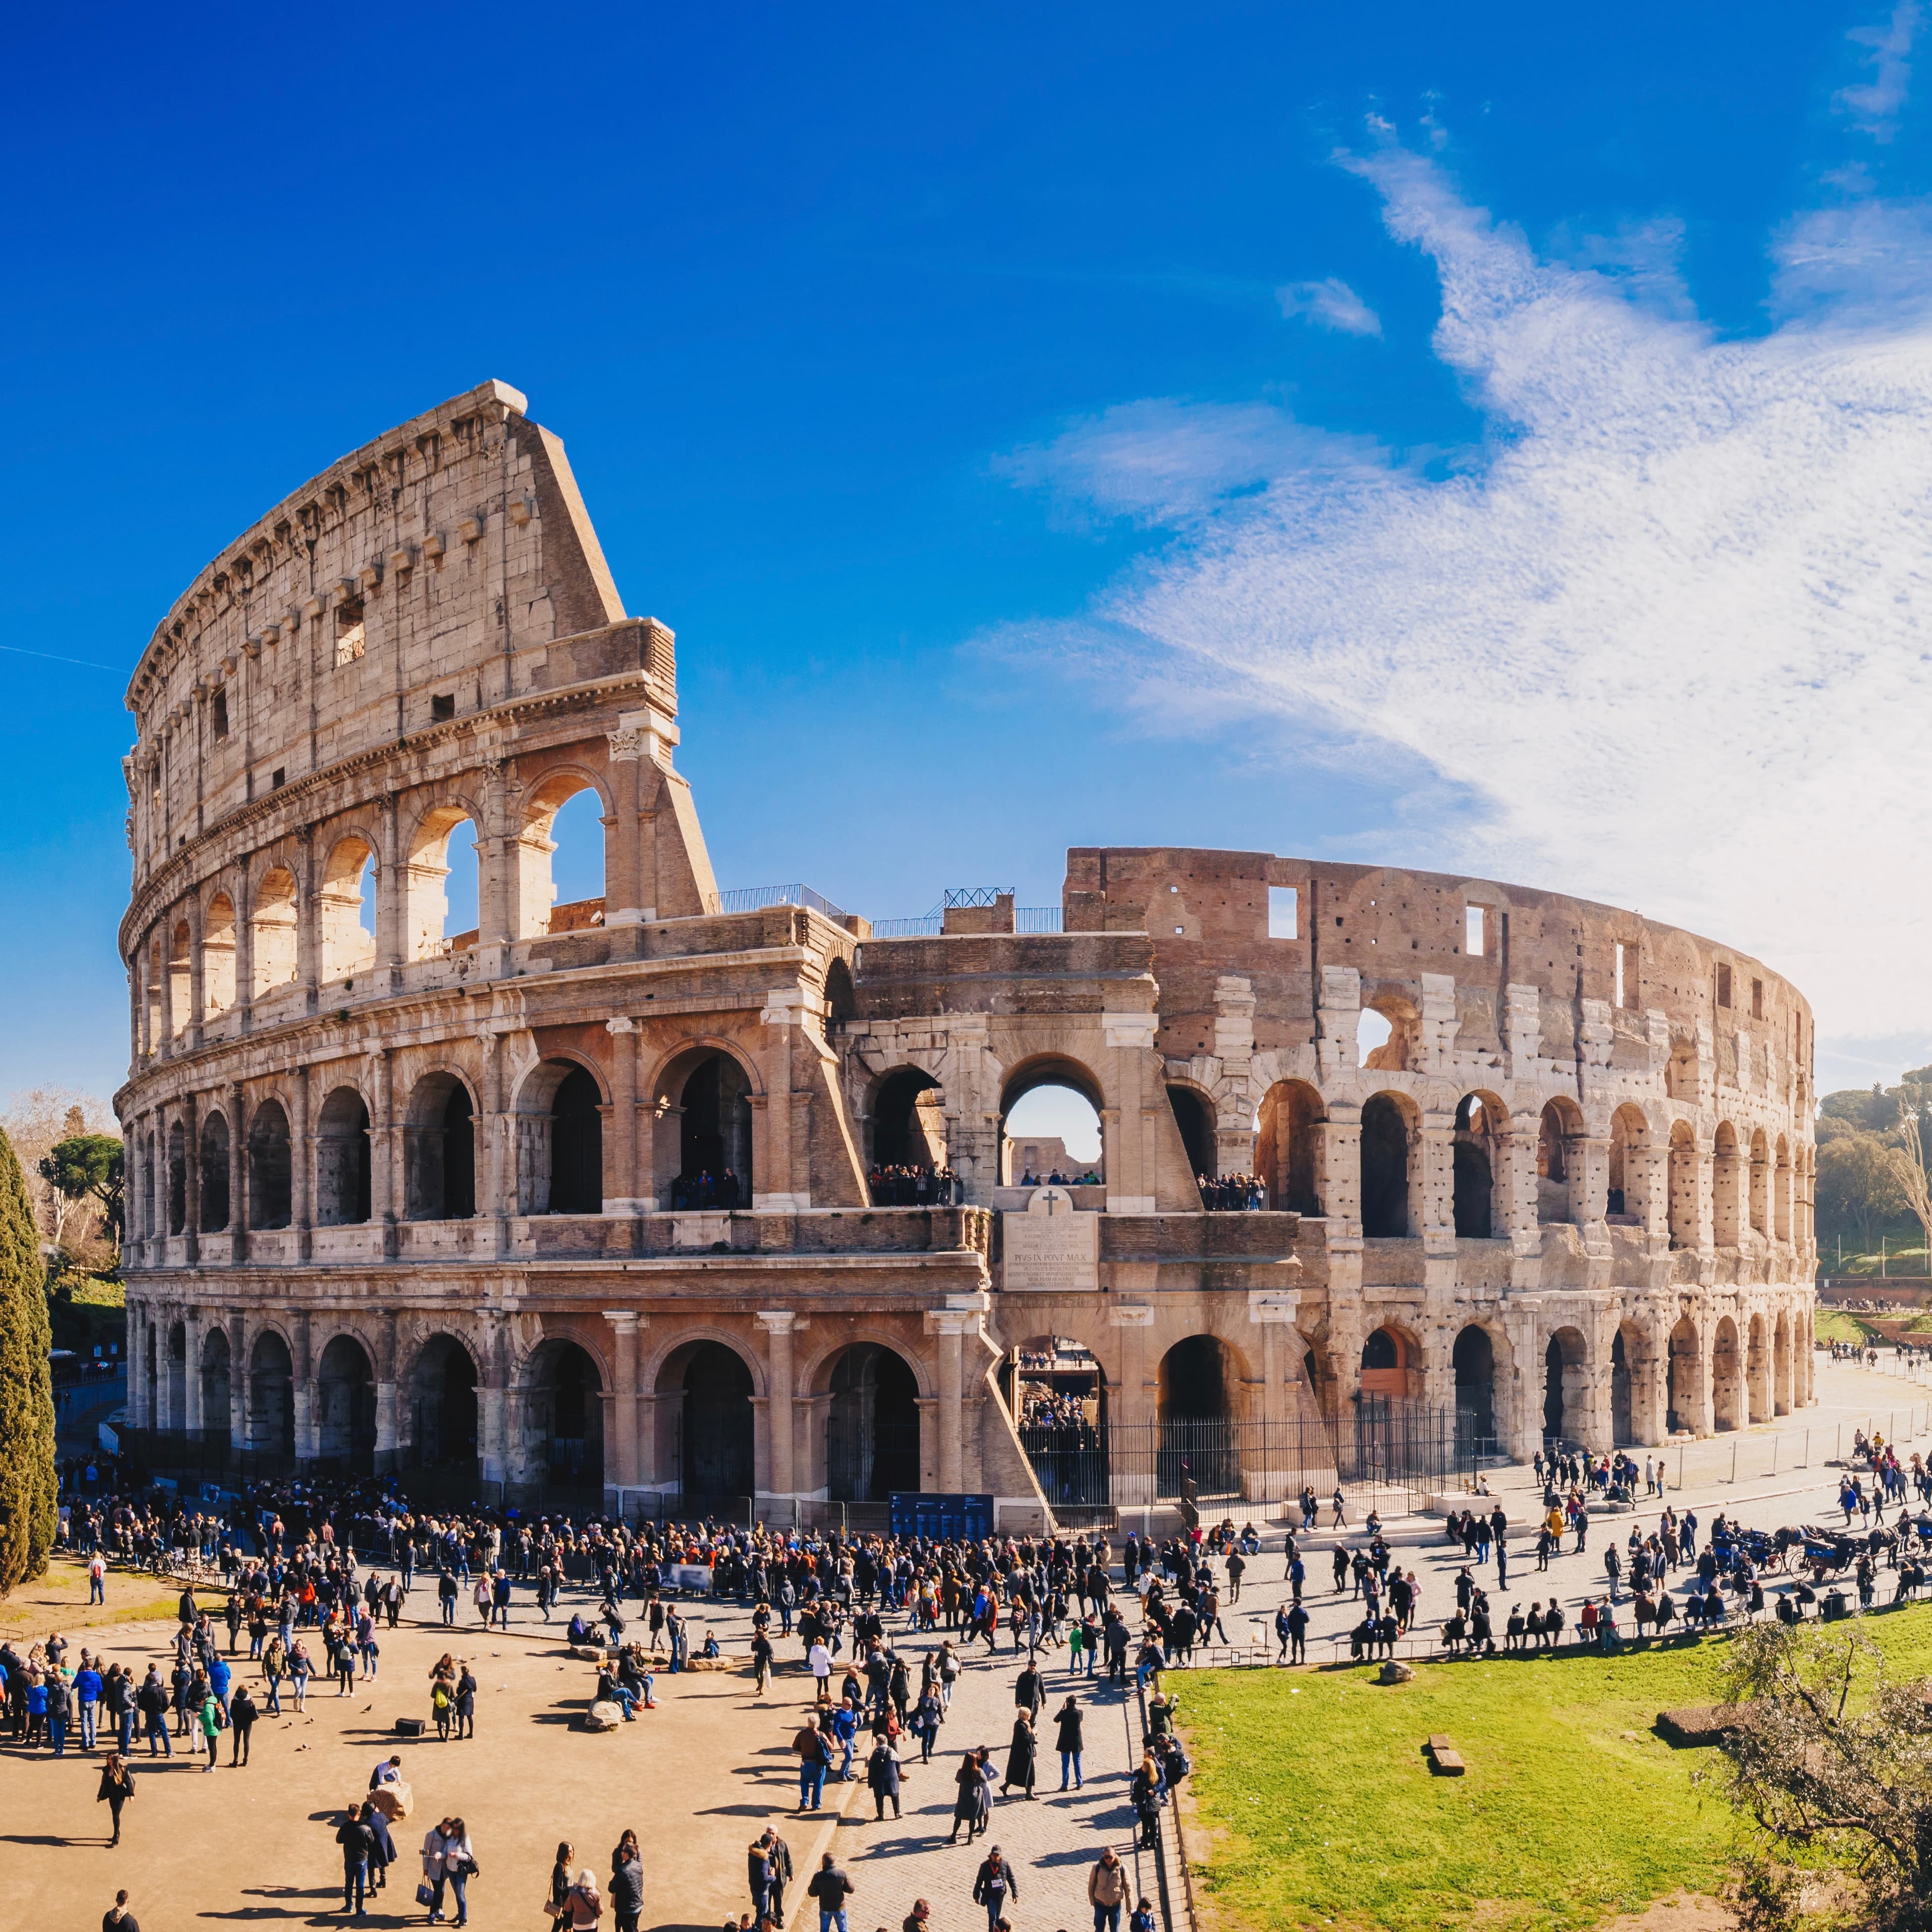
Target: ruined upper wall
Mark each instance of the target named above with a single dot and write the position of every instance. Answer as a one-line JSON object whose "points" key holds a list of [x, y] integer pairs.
{"points": [[423, 576], [1207, 913]]}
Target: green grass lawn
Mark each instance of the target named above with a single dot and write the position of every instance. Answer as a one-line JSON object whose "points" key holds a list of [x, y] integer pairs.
{"points": [[1317, 1808], [1834, 1324]]}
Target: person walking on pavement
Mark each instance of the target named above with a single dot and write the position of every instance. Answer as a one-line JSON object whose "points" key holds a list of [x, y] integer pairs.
{"points": [[968, 1804], [357, 1841], [813, 1751], [1068, 1743], [560, 1887], [117, 1786], [1107, 1890], [1020, 1755], [882, 1775], [831, 1887], [994, 1885]]}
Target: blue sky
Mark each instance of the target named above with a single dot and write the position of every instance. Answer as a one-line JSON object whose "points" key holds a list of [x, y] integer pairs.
{"points": [[1495, 441]]}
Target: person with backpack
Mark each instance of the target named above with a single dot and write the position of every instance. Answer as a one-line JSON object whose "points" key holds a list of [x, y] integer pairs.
{"points": [[1107, 1890], [996, 1883], [813, 1751]]}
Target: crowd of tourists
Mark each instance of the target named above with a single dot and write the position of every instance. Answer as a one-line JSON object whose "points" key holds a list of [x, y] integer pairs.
{"points": [[901, 1186], [705, 1189], [1230, 1193]]}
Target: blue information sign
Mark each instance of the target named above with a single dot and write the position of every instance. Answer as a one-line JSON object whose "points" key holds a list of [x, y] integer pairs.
{"points": [[938, 1517]]}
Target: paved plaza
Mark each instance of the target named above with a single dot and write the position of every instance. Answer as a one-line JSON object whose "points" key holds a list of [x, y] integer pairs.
{"points": [[700, 1776]]}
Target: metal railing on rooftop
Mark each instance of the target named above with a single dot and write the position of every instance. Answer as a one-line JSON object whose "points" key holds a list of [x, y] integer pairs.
{"points": [[977, 895], [754, 899]]}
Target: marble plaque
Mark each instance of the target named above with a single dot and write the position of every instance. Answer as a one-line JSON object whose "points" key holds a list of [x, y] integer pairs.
{"points": [[1052, 1246]]}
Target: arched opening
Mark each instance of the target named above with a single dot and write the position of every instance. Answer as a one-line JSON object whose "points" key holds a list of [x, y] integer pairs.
{"points": [[560, 1141], [1479, 1120], [443, 1406], [1622, 1425], [564, 1407], [1727, 1189], [345, 1407], [180, 983], [1683, 1186], [1759, 1191], [871, 1426], [347, 905], [1196, 1390], [439, 1151], [1558, 1178], [1630, 1138], [272, 946], [1474, 1360], [214, 1177], [342, 1160], [1781, 1192], [714, 1135], [1565, 1413], [1757, 1370], [1780, 1370], [710, 1388], [440, 884], [215, 1388], [272, 1408], [1686, 1388], [177, 1377], [1050, 1123], [1057, 1397], [270, 1170], [1388, 1368], [1727, 1378], [1287, 1133], [1197, 1131], [906, 1135], [217, 956], [1384, 1168], [152, 1185], [561, 858], [177, 1178]]}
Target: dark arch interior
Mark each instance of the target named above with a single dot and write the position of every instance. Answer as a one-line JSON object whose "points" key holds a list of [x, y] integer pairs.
{"points": [[1474, 1358], [1384, 1169], [1197, 1130], [272, 1410], [1285, 1146], [576, 1146], [216, 1388], [566, 1416], [177, 1178], [715, 1431], [871, 1443], [1193, 1381], [214, 1174], [345, 1405], [715, 1132], [897, 1138], [270, 1203], [439, 1153], [342, 1160], [1379, 1352], [1620, 1391], [443, 1406]]}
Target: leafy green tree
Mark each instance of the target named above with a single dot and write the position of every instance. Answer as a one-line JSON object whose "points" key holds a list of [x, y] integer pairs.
{"points": [[28, 1514], [88, 1167], [1858, 1189]]}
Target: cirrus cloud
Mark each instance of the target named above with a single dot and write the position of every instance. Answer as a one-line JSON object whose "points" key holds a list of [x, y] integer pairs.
{"points": [[1329, 304]]}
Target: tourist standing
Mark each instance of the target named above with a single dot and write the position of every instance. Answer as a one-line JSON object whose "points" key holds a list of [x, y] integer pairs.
{"points": [[1068, 1741], [117, 1786], [831, 1887], [1107, 1890]]}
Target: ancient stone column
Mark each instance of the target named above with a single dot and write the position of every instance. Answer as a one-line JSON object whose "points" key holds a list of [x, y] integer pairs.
{"points": [[623, 1322], [778, 1324], [238, 1379]]}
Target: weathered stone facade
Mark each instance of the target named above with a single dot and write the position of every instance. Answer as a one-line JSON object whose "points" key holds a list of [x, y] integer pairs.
{"points": [[401, 1197]]}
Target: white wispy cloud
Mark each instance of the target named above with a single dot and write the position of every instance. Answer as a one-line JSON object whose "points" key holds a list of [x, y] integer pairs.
{"points": [[1668, 638], [1873, 105], [1329, 304]]}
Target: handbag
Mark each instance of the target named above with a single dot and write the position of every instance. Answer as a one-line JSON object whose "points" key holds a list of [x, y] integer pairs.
{"points": [[425, 1892]]}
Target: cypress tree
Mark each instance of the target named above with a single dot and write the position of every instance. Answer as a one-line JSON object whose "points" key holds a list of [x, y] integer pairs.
{"points": [[28, 1509]]}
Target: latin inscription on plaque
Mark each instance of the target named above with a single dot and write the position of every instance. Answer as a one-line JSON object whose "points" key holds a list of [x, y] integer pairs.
{"points": [[1052, 1246]]}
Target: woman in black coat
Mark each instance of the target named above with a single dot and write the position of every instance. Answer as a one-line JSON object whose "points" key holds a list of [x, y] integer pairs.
{"points": [[1020, 1754], [971, 1796], [117, 1786], [1068, 1742]]}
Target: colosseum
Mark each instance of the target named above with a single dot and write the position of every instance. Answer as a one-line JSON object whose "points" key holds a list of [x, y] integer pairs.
{"points": [[589, 1199]]}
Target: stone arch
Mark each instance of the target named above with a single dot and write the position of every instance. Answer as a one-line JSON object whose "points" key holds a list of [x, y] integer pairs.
{"points": [[705, 1094], [562, 1383], [1628, 1198], [345, 1405], [439, 1149], [177, 1176], [1559, 1169], [442, 1405], [1757, 1370], [559, 1111], [1400, 1014], [1684, 1219], [1200, 1392], [1727, 1376], [176, 1344], [273, 947], [215, 1370], [904, 1126], [1566, 1370], [1194, 1115], [1476, 1152], [426, 869], [706, 1418], [342, 1160], [1629, 1381], [1391, 1365], [349, 945], [1390, 1130], [1758, 1190], [1287, 1146], [872, 1421], [1686, 1391], [1482, 1387], [1726, 1189], [535, 848], [213, 1155], [270, 1167], [180, 983], [1052, 1069], [217, 956], [272, 1405]]}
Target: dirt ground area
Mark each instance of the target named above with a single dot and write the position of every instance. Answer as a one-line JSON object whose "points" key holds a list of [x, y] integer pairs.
{"points": [[696, 1778]]}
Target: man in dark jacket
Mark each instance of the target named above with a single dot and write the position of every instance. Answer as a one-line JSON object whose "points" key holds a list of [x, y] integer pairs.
{"points": [[627, 1892], [831, 1887], [994, 1886], [779, 1854], [357, 1841], [242, 1715]]}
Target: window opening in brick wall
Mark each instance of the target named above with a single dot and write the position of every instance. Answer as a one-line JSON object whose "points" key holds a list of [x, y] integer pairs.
{"points": [[1474, 942], [1284, 912], [1757, 999], [220, 714], [1724, 986]]}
